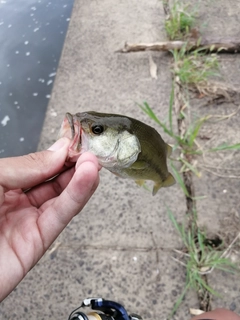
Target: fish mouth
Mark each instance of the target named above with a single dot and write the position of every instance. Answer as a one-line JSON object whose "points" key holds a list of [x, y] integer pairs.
{"points": [[71, 128], [69, 118], [75, 127]]}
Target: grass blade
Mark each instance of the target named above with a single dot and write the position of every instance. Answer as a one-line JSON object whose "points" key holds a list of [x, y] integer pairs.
{"points": [[226, 147], [199, 198], [170, 108], [145, 107], [179, 301], [203, 284], [178, 227], [179, 179], [192, 168], [196, 129]]}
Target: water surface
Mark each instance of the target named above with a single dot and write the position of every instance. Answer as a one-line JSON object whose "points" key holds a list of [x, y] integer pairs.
{"points": [[32, 34]]}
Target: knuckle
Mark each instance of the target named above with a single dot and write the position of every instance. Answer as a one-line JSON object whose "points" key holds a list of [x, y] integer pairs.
{"points": [[36, 158], [36, 162]]}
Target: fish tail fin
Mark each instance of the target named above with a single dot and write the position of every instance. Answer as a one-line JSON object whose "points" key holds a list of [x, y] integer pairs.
{"points": [[169, 181], [166, 183], [169, 150]]}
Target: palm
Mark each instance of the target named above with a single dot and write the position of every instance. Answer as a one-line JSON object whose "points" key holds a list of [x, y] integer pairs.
{"points": [[19, 231]]}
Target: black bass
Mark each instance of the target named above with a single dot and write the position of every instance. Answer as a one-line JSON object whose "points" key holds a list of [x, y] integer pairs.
{"points": [[125, 146]]}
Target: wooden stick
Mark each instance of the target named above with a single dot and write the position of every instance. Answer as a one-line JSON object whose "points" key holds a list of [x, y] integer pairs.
{"points": [[221, 46]]}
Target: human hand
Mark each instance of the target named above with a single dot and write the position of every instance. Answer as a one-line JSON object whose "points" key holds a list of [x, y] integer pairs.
{"points": [[218, 314], [31, 220]]}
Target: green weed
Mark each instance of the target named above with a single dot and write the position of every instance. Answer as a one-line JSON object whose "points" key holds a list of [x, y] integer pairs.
{"points": [[190, 70], [194, 68], [179, 179], [180, 21], [199, 258], [166, 127], [187, 143]]}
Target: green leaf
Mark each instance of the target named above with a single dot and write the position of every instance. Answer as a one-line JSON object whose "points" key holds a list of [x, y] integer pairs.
{"points": [[212, 48], [199, 41], [222, 48]]}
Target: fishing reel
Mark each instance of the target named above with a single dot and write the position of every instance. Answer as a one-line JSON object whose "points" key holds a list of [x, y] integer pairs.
{"points": [[109, 310]]}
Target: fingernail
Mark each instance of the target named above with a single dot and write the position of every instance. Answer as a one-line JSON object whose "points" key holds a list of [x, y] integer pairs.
{"points": [[59, 144]]}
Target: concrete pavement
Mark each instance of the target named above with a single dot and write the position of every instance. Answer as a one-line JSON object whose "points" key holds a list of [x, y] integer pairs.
{"points": [[120, 246]]}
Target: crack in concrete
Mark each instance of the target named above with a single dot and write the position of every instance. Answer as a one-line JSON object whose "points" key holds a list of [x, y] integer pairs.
{"points": [[204, 297], [203, 294]]}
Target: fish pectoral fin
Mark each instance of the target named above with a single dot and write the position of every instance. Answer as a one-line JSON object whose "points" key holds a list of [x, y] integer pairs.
{"points": [[138, 165], [140, 183], [166, 183]]}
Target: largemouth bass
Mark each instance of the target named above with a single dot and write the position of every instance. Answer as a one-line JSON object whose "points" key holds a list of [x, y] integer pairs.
{"points": [[125, 146]]}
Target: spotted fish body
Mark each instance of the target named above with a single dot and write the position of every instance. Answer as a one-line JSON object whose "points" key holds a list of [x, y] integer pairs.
{"points": [[125, 146]]}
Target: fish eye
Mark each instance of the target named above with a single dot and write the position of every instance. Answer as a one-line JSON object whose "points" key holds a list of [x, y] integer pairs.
{"points": [[97, 129]]}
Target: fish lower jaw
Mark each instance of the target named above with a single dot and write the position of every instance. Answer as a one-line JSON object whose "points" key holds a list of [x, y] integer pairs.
{"points": [[74, 150]]}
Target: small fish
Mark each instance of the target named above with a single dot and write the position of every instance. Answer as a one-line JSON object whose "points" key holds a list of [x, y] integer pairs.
{"points": [[125, 146]]}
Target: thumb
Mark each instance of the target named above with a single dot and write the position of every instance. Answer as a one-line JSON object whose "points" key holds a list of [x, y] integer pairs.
{"points": [[29, 170], [218, 314]]}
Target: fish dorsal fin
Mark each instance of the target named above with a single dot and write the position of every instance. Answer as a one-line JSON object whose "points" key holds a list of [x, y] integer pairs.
{"points": [[169, 150]]}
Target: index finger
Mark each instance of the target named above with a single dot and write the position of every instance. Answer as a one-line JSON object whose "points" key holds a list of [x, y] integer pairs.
{"points": [[29, 170]]}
